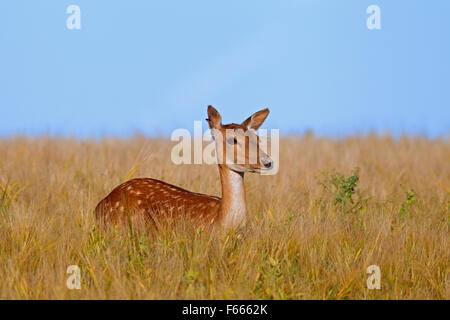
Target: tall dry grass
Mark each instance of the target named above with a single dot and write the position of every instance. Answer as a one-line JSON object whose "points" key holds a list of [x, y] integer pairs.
{"points": [[300, 242]]}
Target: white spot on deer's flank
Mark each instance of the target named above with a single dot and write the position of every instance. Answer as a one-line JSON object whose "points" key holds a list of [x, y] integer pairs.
{"points": [[117, 204]]}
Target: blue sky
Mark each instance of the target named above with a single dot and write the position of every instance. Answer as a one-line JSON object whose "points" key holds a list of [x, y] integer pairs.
{"points": [[154, 66]]}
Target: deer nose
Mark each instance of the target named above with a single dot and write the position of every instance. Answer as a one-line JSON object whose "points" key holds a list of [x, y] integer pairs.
{"points": [[267, 163]]}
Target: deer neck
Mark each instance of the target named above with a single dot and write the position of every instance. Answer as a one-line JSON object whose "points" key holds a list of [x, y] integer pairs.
{"points": [[233, 204]]}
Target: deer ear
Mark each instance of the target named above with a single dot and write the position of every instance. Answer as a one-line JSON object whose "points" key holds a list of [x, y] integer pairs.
{"points": [[256, 120], [214, 118]]}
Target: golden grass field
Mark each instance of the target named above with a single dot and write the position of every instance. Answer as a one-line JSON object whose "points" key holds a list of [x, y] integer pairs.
{"points": [[306, 237]]}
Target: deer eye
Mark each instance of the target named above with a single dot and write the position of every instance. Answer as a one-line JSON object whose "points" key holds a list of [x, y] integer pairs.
{"points": [[232, 140]]}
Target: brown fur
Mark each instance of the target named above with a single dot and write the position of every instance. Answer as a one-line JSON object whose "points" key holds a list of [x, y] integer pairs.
{"points": [[153, 199]]}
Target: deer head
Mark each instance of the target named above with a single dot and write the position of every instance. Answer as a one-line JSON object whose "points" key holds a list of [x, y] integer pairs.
{"points": [[237, 145]]}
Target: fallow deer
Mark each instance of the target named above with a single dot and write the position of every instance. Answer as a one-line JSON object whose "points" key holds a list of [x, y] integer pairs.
{"points": [[156, 200]]}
